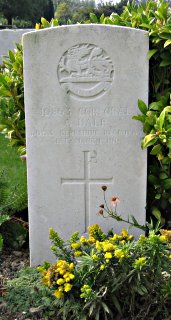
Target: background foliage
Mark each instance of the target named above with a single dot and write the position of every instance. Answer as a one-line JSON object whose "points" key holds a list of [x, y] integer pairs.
{"points": [[12, 115], [155, 17], [26, 9]]}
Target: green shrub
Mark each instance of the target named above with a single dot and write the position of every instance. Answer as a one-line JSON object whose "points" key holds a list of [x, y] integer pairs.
{"points": [[104, 276], [111, 276], [98, 276], [155, 17], [12, 117]]}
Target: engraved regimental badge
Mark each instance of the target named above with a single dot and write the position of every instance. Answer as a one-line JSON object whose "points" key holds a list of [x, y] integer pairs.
{"points": [[85, 71]]}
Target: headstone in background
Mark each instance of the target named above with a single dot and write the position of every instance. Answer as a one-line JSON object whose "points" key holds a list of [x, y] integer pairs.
{"points": [[8, 39], [82, 84]]}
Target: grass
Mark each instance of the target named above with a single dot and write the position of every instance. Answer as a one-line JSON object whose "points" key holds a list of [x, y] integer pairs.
{"points": [[13, 173]]}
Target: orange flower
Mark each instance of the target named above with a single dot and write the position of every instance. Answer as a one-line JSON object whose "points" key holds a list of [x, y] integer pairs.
{"points": [[115, 201]]}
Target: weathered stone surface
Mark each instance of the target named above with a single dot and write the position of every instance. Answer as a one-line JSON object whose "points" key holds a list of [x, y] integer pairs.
{"points": [[8, 39], [82, 84]]}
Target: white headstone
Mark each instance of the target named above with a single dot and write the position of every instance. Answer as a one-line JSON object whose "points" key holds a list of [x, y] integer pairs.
{"points": [[82, 84], [8, 40]]}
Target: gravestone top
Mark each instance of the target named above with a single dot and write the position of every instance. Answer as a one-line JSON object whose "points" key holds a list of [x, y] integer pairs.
{"points": [[82, 84], [9, 38]]}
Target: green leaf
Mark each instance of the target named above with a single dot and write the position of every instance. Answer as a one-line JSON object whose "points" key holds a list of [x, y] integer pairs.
{"points": [[167, 43], [166, 184], [3, 80], [102, 18], [156, 213], [45, 23], [168, 143], [166, 160], [105, 307], [94, 18], [156, 106], [165, 63], [153, 179], [54, 23], [156, 149], [149, 140], [116, 304], [167, 109], [134, 220], [151, 53], [142, 106], [163, 176], [158, 196], [3, 218], [139, 118], [141, 290], [160, 120], [146, 26], [91, 309], [11, 55]]}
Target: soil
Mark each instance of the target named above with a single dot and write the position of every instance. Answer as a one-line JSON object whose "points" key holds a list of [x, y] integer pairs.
{"points": [[10, 263]]}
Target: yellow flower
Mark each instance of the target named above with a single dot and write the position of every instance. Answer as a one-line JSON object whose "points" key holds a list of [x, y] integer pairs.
{"points": [[119, 237], [67, 287], [119, 253], [37, 27], [60, 289], [107, 246], [140, 262], [108, 255], [98, 245], [163, 238], [58, 294], [76, 245], [131, 237], [166, 233], [95, 257], [115, 237], [124, 233], [83, 240], [60, 281], [102, 267], [61, 272], [169, 256], [85, 287], [91, 240], [77, 253], [71, 266], [123, 241], [93, 229], [66, 275], [142, 237]]}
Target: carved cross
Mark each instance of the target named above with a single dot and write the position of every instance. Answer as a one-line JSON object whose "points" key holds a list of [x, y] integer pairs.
{"points": [[87, 181]]}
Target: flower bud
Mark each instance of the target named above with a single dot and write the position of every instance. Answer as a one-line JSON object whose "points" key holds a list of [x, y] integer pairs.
{"points": [[104, 188]]}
